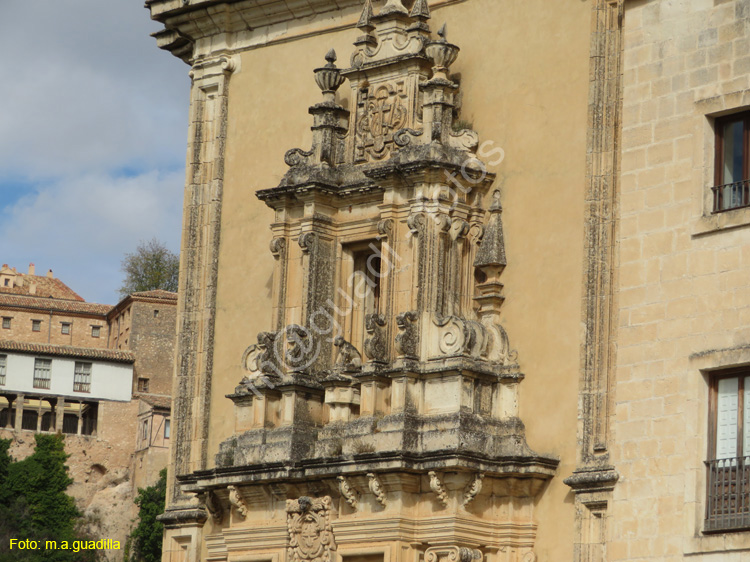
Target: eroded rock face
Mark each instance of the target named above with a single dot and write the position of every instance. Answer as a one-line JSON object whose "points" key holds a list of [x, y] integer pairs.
{"points": [[101, 488]]}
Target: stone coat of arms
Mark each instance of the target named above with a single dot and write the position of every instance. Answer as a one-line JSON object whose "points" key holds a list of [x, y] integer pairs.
{"points": [[310, 533]]}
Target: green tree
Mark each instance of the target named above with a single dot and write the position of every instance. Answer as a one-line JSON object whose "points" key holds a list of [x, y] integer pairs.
{"points": [[144, 543], [34, 505], [151, 266]]}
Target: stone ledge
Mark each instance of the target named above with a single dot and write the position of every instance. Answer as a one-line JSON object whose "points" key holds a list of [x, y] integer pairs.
{"points": [[600, 480]]}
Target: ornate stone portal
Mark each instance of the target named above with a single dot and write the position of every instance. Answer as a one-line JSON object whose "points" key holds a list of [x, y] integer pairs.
{"points": [[380, 413]]}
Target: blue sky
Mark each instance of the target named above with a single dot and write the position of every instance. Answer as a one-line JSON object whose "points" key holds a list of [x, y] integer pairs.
{"points": [[93, 131]]}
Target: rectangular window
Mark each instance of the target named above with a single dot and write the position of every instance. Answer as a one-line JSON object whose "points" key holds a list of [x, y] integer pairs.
{"points": [[42, 373], [144, 429], [362, 270], [36, 325], [6, 322], [728, 486], [732, 162], [96, 331], [166, 429], [142, 385], [82, 377], [65, 328], [3, 367]]}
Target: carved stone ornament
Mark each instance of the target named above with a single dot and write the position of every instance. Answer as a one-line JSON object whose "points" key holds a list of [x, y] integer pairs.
{"points": [[384, 113], [377, 488], [310, 533], [437, 487], [213, 506], [375, 348], [260, 359], [473, 489], [407, 341], [236, 499], [300, 353], [452, 554], [348, 358], [348, 493]]}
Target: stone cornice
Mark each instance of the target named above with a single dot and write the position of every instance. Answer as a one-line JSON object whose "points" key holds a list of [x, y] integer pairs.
{"points": [[201, 28], [593, 480]]}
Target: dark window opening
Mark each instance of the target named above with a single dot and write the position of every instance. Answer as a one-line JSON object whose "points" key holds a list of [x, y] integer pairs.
{"points": [[732, 162]]}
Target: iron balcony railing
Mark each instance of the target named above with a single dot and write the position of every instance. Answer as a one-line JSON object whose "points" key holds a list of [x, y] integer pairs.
{"points": [[42, 383], [82, 387], [731, 196], [728, 495]]}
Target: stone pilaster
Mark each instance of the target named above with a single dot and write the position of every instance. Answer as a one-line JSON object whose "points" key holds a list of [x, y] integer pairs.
{"points": [[198, 269]]}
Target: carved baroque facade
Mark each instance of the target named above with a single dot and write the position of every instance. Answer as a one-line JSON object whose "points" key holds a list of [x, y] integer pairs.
{"points": [[382, 405]]}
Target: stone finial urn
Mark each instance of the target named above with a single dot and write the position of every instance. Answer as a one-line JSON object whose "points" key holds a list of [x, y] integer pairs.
{"points": [[442, 54], [328, 78]]}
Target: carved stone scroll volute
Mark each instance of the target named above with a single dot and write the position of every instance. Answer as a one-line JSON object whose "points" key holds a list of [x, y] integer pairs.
{"points": [[309, 527], [375, 344], [236, 499], [407, 341], [452, 554]]}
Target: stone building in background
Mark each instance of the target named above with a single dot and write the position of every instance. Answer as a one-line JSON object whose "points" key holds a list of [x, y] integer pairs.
{"points": [[98, 374], [504, 313]]}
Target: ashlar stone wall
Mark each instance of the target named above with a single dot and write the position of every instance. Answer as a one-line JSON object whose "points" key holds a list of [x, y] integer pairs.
{"points": [[684, 303]]}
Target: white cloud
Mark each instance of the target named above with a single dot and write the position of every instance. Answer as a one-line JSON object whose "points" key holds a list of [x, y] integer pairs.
{"points": [[92, 138], [81, 227]]}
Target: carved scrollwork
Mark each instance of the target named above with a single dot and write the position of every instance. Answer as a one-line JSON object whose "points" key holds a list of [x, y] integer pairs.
{"points": [[300, 353], [403, 137], [347, 492], [476, 232], [260, 359], [458, 336], [236, 499], [375, 344], [452, 554], [307, 240], [459, 228], [473, 489], [377, 488], [297, 156], [213, 505], [464, 140], [310, 532], [385, 228], [348, 357], [278, 247], [499, 349], [407, 341], [416, 223], [437, 487], [443, 223]]}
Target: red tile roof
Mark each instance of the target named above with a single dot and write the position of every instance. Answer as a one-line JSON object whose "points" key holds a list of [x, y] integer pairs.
{"points": [[55, 305], [156, 400], [68, 351], [45, 287], [156, 294]]}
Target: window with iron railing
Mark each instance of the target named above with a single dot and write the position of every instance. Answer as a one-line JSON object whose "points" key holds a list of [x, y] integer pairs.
{"points": [[728, 467], [732, 165], [82, 377], [42, 373], [3, 368]]}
